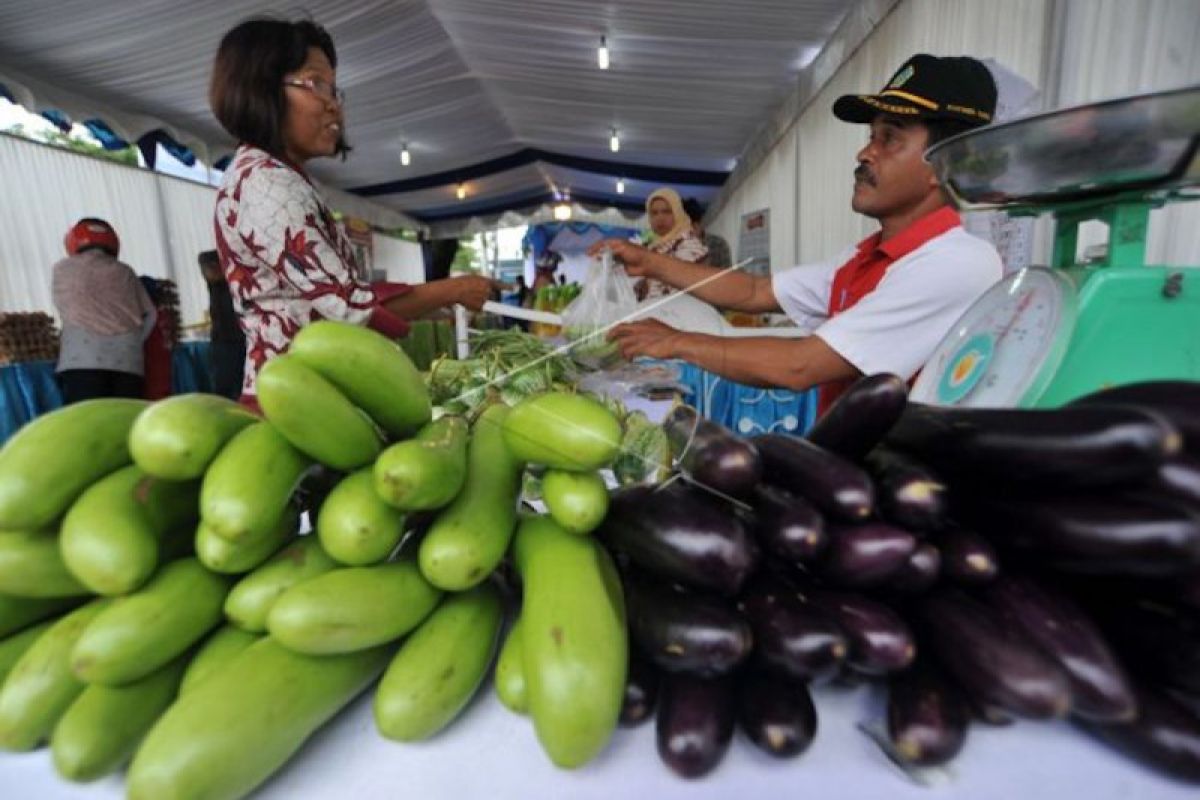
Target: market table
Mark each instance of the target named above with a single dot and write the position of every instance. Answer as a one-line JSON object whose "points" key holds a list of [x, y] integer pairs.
{"points": [[492, 753]]}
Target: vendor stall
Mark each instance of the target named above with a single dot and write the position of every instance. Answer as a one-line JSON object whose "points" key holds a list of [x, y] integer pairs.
{"points": [[1000, 601]]}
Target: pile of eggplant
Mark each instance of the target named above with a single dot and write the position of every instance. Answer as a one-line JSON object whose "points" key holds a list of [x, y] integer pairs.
{"points": [[981, 564]]}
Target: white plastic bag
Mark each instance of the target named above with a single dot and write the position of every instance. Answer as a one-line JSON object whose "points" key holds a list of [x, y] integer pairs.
{"points": [[607, 298]]}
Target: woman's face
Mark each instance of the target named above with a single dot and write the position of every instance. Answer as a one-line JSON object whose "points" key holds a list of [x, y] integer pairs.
{"points": [[312, 125], [662, 219]]}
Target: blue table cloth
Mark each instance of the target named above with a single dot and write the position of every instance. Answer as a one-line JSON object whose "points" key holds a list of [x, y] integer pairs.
{"points": [[29, 390], [748, 410]]}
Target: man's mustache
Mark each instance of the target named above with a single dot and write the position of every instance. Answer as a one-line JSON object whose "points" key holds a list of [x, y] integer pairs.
{"points": [[864, 174]]}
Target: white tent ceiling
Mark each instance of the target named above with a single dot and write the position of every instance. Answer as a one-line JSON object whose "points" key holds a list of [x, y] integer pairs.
{"points": [[464, 82]]}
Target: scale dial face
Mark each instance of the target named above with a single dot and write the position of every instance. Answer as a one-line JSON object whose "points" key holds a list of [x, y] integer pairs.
{"points": [[1005, 349]]}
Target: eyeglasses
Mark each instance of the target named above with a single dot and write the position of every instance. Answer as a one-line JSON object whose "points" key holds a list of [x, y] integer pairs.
{"points": [[320, 88]]}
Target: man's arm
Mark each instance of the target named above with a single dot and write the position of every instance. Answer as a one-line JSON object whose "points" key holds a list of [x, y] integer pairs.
{"points": [[728, 288], [767, 361]]}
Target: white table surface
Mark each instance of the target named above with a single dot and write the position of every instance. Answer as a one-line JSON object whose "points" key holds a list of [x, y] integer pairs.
{"points": [[492, 753]]}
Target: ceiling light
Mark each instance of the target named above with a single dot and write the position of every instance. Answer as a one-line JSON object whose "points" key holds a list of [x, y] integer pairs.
{"points": [[562, 211], [461, 191], [405, 157], [614, 141], [602, 53], [620, 186]]}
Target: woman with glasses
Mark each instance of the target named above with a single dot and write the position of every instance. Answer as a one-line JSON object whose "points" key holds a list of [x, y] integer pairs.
{"points": [[287, 261]]}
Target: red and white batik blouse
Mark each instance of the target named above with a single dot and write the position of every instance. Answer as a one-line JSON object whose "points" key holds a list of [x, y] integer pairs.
{"points": [[287, 260]]}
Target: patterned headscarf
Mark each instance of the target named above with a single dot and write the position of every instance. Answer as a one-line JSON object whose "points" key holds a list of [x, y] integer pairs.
{"points": [[683, 222]]}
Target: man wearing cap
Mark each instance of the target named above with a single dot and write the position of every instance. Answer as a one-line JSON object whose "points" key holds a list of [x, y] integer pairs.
{"points": [[883, 304]]}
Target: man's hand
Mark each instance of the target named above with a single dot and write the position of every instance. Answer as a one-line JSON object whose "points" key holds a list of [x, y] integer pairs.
{"points": [[473, 290], [635, 257], [648, 337]]}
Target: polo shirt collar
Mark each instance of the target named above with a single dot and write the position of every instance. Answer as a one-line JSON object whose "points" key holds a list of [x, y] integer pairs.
{"points": [[935, 223]]}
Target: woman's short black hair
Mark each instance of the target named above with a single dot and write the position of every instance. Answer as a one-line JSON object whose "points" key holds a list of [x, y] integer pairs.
{"points": [[247, 93]]}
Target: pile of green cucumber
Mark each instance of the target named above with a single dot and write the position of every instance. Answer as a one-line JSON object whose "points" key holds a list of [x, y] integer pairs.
{"points": [[975, 565], [159, 606]]}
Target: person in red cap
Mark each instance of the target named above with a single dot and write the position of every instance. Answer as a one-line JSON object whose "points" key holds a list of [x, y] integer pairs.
{"points": [[883, 304], [105, 314]]}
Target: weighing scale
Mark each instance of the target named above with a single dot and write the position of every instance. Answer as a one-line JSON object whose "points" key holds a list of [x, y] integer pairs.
{"points": [[1044, 336]]}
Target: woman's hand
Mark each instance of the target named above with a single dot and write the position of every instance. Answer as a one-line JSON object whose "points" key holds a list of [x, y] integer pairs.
{"points": [[635, 257]]}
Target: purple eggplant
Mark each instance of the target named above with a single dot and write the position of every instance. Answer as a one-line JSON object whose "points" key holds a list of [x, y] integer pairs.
{"points": [[683, 631], [908, 493], [683, 534], [995, 665], [968, 557], [1121, 534], [710, 454], [920, 571], [792, 636], [641, 690], [695, 722], [1178, 401], [1053, 621], [861, 416], [836, 486], [1158, 640], [1187, 591], [787, 525], [1179, 478], [1165, 736], [880, 641], [1080, 446], [776, 714], [865, 555], [927, 716]]}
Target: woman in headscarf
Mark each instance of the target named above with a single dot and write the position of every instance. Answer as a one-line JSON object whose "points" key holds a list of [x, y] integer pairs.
{"points": [[673, 236]]}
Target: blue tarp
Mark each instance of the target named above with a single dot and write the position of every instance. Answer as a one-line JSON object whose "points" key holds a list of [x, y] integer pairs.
{"points": [[30, 390]]}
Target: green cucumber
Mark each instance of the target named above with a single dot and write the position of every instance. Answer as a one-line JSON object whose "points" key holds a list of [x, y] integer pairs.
{"points": [[102, 728], [41, 685], [31, 565], [426, 472], [574, 646], [17, 613], [247, 487], [12, 647], [577, 501], [315, 416], [510, 672], [469, 537], [177, 438], [352, 608], [232, 558], [147, 629], [50, 461], [250, 601], [563, 431], [355, 525], [217, 651], [440, 666], [231, 732], [110, 538], [369, 369]]}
